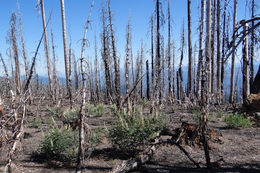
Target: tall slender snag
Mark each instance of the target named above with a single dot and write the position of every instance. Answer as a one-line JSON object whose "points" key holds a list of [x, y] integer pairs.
{"points": [[218, 50], [116, 62], [190, 68], [201, 40], [65, 48], [47, 51], [231, 100], [81, 152]]}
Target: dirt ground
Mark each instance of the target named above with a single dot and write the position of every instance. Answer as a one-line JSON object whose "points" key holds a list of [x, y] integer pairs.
{"points": [[239, 152]]}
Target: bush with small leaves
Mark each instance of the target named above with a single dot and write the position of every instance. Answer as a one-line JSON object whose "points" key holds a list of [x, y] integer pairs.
{"points": [[131, 133], [53, 112], [71, 116], [237, 120], [35, 123], [60, 144], [96, 110]]}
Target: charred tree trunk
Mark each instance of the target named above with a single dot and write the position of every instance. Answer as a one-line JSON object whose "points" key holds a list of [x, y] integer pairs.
{"points": [[158, 54], [252, 52], [223, 54], [116, 62], [97, 72], [65, 46], [47, 52], [208, 52], [218, 51], [127, 63], [201, 40], [190, 69], [169, 55], [18, 80], [147, 81], [246, 86], [213, 47], [105, 56], [233, 55], [56, 80], [82, 123]]}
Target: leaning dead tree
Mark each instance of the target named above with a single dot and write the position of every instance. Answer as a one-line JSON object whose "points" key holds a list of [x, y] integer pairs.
{"points": [[82, 119]]}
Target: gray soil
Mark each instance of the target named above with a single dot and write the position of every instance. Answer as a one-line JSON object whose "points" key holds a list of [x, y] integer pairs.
{"points": [[238, 152]]}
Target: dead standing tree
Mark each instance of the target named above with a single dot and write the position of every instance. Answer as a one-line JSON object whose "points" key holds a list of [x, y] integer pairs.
{"points": [[18, 80], [127, 64], [116, 61], [47, 51], [233, 55], [190, 68], [82, 119], [201, 40], [169, 55], [106, 56], [67, 65]]}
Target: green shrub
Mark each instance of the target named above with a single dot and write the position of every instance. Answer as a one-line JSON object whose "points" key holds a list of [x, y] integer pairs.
{"points": [[53, 112], [35, 123], [96, 110], [62, 144], [70, 115], [131, 133], [237, 120]]}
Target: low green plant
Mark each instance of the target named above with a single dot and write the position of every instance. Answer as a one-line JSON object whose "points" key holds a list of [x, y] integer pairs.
{"points": [[59, 144], [70, 115], [62, 144], [237, 120], [132, 133], [197, 115], [35, 123], [96, 110], [53, 112]]}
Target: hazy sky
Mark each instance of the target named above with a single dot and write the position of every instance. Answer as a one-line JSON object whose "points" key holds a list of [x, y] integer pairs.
{"points": [[76, 15]]}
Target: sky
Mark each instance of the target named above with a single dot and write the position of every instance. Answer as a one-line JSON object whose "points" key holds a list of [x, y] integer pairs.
{"points": [[77, 12]]}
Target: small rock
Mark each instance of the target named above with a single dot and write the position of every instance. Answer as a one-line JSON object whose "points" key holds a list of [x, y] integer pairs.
{"points": [[257, 115]]}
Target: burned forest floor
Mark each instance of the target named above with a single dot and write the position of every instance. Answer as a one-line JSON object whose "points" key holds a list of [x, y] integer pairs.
{"points": [[237, 150]]}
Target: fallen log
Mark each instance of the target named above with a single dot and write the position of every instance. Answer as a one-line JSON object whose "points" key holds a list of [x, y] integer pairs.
{"points": [[129, 165]]}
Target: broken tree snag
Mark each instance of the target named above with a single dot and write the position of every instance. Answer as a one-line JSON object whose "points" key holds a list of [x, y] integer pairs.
{"points": [[129, 165], [1, 109], [191, 134]]}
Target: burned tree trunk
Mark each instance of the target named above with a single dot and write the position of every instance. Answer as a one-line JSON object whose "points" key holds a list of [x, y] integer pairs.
{"points": [[82, 123], [47, 51], [201, 40], [127, 64], [18, 80], [233, 54], [65, 46], [115, 58], [213, 47], [208, 52], [169, 55], [218, 51], [246, 85], [190, 69], [147, 81], [223, 54], [252, 52], [105, 56]]}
